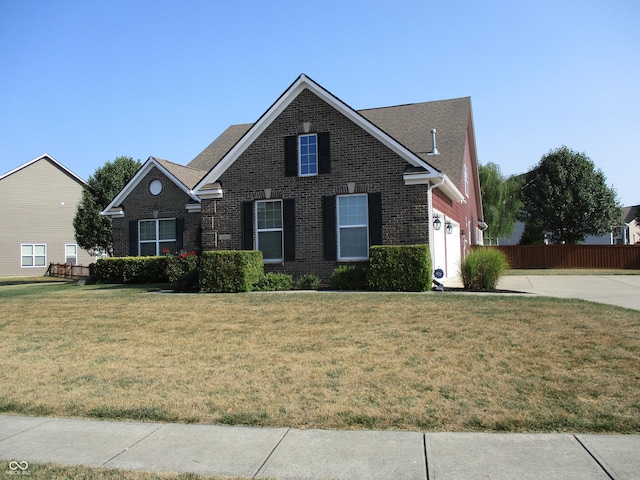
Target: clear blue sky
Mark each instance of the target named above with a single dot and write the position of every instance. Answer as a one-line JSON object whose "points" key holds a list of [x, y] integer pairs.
{"points": [[87, 81]]}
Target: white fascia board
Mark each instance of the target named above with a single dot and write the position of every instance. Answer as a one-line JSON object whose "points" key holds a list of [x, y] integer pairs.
{"points": [[140, 174], [193, 207], [441, 181], [47, 156], [304, 82], [113, 213]]}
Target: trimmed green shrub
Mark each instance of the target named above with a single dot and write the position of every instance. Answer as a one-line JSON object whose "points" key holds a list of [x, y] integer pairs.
{"points": [[132, 270], [182, 271], [349, 277], [482, 268], [272, 282], [230, 271], [308, 281], [401, 268]]}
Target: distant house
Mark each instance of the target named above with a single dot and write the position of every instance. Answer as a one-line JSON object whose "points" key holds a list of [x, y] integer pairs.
{"points": [[38, 201], [628, 234], [313, 184]]}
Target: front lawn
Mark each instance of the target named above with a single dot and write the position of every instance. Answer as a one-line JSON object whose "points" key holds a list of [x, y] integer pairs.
{"points": [[425, 362]]}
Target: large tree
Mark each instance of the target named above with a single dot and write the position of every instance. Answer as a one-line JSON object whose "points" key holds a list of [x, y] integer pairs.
{"points": [[568, 197], [500, 201], [93, 230]]}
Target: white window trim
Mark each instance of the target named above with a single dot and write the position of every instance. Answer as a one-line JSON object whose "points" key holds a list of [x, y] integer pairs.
{"points": [[300, 156], [466, 180], [264, 230], [157, 240], [33, 256], [75, 255], [339, 227]]}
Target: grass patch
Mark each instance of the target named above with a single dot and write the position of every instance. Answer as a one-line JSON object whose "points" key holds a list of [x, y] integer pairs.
{"points": [[422, 362], [49, 471]]}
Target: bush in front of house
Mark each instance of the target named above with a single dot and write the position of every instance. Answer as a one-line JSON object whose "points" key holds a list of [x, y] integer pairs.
{"points": [[271, 282], [308, 281], [132, 270], [400, 268], [349, 277], [230, 271], [182, 271], [482, 268]]}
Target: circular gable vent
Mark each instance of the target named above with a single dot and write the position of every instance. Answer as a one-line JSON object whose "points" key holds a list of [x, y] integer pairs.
{"points": [[155, 187]]}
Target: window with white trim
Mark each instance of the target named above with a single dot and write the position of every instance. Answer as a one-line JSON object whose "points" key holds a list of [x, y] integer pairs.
{"points": [[466, 180], [308, 155], [71, 253], [157, 236], [353, 227], [269, 230], [33, 255]]}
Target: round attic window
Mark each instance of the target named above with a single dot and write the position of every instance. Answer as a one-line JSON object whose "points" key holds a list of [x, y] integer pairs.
{"points": [[155, 187]]}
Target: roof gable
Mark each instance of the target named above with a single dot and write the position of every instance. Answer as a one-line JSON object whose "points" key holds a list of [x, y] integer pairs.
{"points": [[183, 177], [411, 126], [50, 159], [303, 82]]}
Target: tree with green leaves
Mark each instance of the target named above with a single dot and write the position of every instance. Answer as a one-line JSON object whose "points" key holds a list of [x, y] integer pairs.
{"points": [[500, 201], [568, 198], [93, 230]]}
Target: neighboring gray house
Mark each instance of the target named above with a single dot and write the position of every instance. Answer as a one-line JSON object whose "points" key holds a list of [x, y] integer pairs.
{"points": [[38, 201]]}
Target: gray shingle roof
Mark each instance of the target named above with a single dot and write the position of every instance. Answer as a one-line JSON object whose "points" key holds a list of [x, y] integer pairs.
{"points": [[211, 155], [187, 175], [411, 126]]}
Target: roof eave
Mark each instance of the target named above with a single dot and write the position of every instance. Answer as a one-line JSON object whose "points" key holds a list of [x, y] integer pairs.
{"points": [[303, 82]]}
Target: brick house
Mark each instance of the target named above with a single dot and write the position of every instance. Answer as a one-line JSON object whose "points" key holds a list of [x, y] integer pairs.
{"points": [[313, 183]]}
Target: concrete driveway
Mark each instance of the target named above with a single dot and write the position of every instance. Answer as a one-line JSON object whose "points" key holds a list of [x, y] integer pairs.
{"points": [[619, 290]]}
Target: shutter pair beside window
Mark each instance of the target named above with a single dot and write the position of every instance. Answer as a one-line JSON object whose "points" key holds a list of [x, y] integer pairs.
{"points": [[133, 236], [329, 224], [288, 224], [292, 158]]}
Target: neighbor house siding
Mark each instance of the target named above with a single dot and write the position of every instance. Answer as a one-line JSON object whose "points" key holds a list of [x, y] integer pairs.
{"points": [[37, 206], [142, 205], [359, 163]]}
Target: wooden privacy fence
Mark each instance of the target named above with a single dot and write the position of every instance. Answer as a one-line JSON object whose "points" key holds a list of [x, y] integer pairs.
{"points": [[67, 270], [572, 256]]}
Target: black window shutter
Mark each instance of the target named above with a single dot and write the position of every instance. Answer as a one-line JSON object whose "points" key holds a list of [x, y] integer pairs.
{"points": [[133, 238], [329, 239], [324, 153], [247, 225], [291, 156], [179, 234], [289, 219], [375, 218]]}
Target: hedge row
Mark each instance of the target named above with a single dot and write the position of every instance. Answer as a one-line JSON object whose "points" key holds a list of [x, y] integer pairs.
{"points": [[390, 268], [132, 270]]}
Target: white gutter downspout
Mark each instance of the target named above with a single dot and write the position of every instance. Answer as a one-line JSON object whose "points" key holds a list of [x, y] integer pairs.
{"points": [[430, 187]]}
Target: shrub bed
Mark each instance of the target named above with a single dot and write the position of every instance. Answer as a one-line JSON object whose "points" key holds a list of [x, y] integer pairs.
{"points": [[132, 270], [402, 268], [229, 271]]}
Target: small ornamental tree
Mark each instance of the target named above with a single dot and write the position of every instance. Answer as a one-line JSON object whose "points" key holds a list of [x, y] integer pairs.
{"points": [[567, 197], [93, 230]]}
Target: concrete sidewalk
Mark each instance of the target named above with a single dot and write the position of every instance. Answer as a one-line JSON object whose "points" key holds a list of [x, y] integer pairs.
{"points": [[283, 453], [619, 290]]}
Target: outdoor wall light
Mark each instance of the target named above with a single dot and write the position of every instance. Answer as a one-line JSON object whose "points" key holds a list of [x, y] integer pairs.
{"points": [[436, 222], [449, 227]]}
